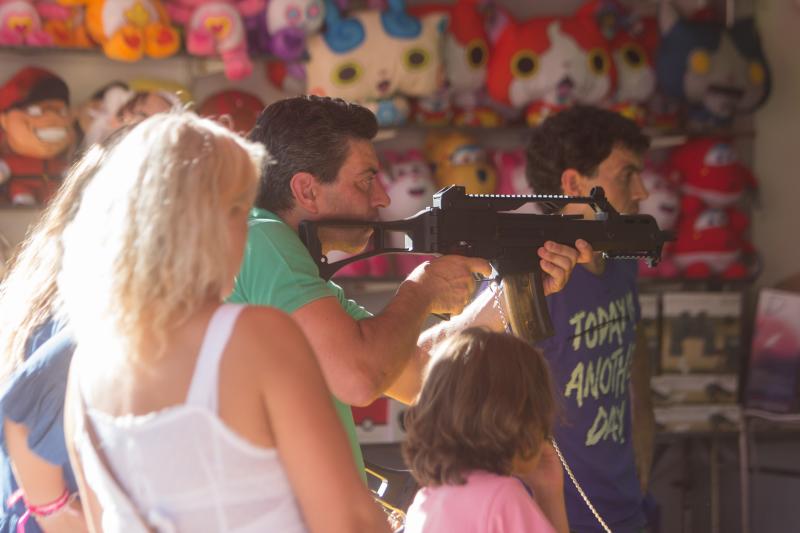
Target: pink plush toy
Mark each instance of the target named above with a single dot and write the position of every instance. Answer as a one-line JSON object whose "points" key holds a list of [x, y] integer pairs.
{"points": [[409, 184], [710, 230], [663, 203], [20, 24], [216, 28], [511, 179]]}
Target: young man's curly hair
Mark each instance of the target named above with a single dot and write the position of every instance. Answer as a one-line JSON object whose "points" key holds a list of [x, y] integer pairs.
{"points": [[486, 398], [581, 138]]}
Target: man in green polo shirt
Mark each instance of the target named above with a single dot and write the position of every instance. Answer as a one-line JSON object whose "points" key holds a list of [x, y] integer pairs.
{"points": [[324, 166]]}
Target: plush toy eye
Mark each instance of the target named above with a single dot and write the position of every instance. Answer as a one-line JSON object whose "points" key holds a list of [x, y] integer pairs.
{"points": [[313, 11], [598, 61], [477, 53], [347, 73], [524, 64], [700, 62], [293, 14], [416, 58], [633, 55], [756, 73], [34, 111]]}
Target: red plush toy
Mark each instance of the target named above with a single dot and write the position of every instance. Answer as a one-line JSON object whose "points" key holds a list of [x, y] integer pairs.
{"points": [[546, 64], [37, 132], [710, 230], [242, 108]]}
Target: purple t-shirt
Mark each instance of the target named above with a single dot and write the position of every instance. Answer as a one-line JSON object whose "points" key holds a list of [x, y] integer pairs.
{"points": [[590, 359]]}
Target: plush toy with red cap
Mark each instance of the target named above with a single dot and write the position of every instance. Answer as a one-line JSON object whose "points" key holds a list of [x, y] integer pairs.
{"points": [[710, 229], [37, 134]]}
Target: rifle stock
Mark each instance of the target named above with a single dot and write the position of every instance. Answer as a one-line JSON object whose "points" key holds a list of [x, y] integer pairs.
{"points": [[481, 226]]}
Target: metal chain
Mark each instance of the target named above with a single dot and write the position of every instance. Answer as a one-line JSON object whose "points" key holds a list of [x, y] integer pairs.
{"points": [[499, 305], [568, 470]]}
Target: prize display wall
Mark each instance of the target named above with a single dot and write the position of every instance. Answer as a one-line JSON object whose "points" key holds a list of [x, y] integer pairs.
{"points": [[456, 87]]}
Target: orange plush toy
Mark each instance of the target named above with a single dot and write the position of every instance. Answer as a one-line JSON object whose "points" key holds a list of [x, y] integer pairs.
{"points": [[37, 134], [130, 29]]}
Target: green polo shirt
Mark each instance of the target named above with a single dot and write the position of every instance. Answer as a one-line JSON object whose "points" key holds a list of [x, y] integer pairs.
{"points": [[278, 271]]}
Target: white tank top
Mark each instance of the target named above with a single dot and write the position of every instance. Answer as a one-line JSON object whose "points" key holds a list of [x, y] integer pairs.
{"points": [[183, 468]]}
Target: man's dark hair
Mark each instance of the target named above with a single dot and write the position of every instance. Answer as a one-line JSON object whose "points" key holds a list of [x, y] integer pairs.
{"points": [[306, 134], [580, 137]]}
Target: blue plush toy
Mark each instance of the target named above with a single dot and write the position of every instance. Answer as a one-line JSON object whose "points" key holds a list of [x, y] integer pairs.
{"points": [[719, 72]]}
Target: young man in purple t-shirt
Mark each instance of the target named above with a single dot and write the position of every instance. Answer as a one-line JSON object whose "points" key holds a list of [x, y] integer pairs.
{"points": [[599, 362]]}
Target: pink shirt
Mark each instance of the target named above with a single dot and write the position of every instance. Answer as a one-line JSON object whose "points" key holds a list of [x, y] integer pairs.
{"points": [[487, 503]]}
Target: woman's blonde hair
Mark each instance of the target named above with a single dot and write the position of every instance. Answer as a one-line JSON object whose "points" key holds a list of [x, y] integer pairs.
{"points": [[487, 398], [149, 244], [28, 293]]}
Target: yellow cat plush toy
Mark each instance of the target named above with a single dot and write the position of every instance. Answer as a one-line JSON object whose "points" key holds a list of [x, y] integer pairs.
{"points": [[130, 29]]}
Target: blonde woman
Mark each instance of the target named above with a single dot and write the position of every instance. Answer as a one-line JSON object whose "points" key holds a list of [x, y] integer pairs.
{"points": [[37, 484], [185, 414]]}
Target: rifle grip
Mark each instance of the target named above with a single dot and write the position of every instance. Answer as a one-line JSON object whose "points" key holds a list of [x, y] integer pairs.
{"points": [[528, 314]]}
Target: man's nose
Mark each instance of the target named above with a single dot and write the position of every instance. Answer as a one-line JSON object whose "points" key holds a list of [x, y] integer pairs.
{"points": [[639, 191], [379, 196]]}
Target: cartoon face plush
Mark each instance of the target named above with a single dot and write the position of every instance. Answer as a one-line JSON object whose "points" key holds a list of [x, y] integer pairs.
{"points": [[242, 108], [20, 24], [710, 229], [217, 28], [96, 117], [633, 53], [663, 200], [510, 165], [709, 170], [555, 62], [37, 130], [457, 159], [374, 55], [720, 72], [289, 22], [408, 182], [127, 30], [66, 25]]}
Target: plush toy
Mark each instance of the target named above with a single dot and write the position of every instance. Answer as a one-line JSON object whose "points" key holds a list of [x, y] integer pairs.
{"points": [[376, 56], [242, 108], [710, 229], [466, 55], [633, 52], [66, 25], [409, 183], [96, 117], [288, 77], [511, 178], [546, 64], [36, 127], [457, 159], [663, 203], [282, 27], [719, 72], [216, 28], [127, 30], [20, 24]]}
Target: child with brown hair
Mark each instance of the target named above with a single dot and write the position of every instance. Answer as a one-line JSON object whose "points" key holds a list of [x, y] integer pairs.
{"points": [[485, 411]]}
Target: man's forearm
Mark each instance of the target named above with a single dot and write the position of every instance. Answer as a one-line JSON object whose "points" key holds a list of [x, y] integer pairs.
{"points": [[394, 333]]}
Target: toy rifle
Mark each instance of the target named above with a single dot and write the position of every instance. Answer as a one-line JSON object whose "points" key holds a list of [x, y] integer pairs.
{"points": [[481, 226]]}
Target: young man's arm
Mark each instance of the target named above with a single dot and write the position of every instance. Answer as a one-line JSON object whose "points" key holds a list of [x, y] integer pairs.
{"points": [[642, 420]]}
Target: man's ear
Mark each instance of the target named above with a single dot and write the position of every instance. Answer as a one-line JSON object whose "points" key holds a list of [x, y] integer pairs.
{"points": [[570, 182], [304, 187]]}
